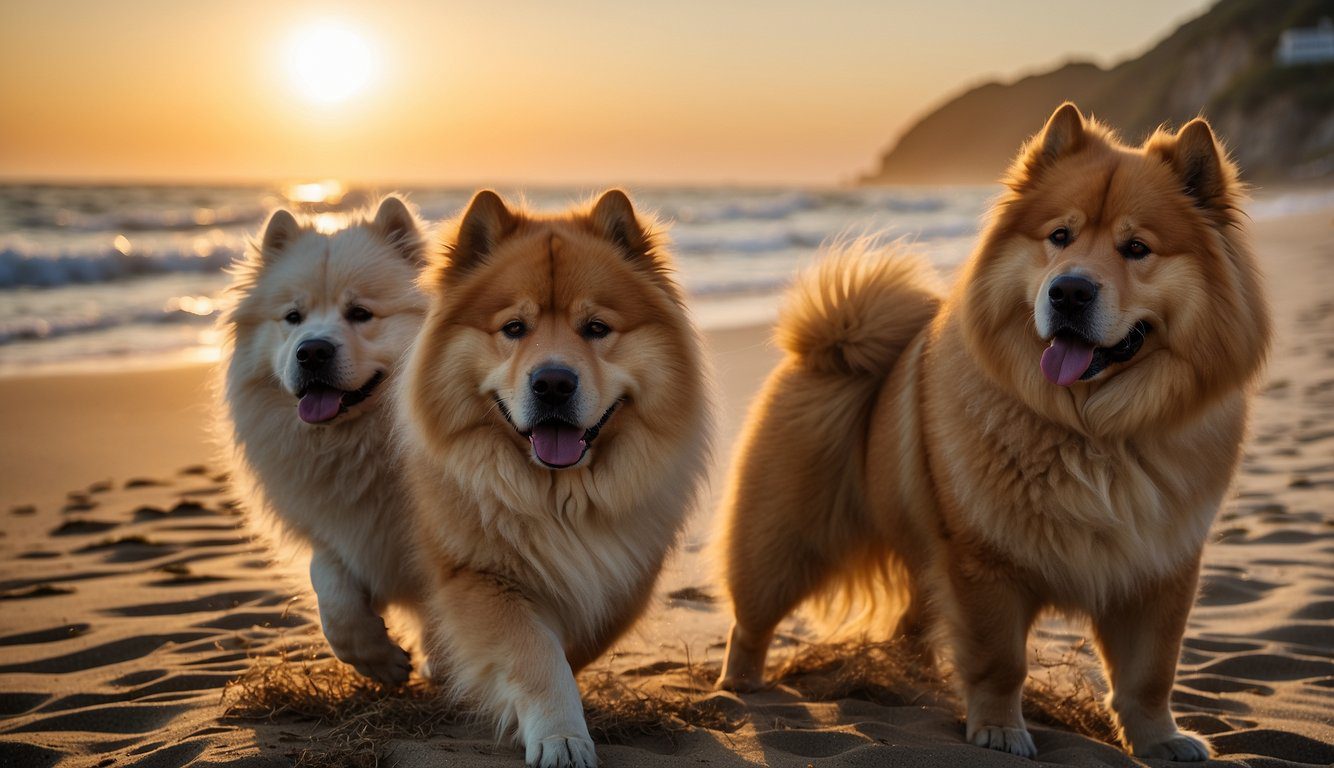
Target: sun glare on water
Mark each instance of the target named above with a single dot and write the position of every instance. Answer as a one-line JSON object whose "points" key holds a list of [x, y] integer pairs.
{"points": [[326, 191], [328, 62]]}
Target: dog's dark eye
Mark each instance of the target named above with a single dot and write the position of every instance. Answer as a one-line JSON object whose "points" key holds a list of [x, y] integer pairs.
{"points": [[514, 329], [293, 317], [1060, 237], [1135, 249], [596, 329], [359, 315]]}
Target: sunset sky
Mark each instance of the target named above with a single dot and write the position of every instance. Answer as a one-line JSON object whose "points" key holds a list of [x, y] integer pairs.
{"points": [[522, 92]]}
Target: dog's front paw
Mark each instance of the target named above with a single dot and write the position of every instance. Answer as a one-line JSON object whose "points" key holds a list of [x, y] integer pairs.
{"points": [[1016, 741], [743, 665], [562, 752], [367, 647], [1179, 746], [389, 665], [739, 684]]}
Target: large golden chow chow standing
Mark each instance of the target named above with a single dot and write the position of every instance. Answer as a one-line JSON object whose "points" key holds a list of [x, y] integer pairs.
{"points": [[555, 428], [1055, 433]]}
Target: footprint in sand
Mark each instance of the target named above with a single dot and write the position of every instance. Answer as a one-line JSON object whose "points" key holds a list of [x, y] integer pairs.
{"points": [[1270, 667], [83, 526], [797, 743], [211, 603], [1216, 684], [35, 590], [1230, 589], [105, 654], [54, 634], [128, 549], [1277, 744], [1322, 610]]}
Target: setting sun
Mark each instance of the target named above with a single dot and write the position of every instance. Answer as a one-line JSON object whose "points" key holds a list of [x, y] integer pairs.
{"points": [[328, 62]]}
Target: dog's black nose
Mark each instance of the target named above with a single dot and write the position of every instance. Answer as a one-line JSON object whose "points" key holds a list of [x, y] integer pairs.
{"points": [[313, 354], [1071, 294], [553, 384]]}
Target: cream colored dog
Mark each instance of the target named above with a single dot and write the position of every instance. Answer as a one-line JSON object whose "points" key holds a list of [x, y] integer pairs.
{"points": [[314, 340], [555, 433]]}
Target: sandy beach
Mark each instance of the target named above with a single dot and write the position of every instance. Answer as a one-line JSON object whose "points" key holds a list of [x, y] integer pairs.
{"points": [[131, 595]]}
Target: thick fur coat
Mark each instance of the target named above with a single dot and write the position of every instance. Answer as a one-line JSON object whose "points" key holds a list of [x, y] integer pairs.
{"points": [[1055, 432], [314, 340], [555, 429]]}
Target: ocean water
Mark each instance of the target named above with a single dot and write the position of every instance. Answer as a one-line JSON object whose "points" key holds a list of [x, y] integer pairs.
{"points": [[116, 276], [121, 276]]}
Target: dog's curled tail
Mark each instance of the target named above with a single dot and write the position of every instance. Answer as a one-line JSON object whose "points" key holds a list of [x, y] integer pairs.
{"points": [[857, 309]]}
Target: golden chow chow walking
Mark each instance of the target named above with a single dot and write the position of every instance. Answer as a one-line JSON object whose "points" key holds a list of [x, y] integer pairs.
{"points": [[555, 429]]}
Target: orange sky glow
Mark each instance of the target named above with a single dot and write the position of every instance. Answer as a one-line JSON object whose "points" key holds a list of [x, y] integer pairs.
{"points": [[517, 92]]}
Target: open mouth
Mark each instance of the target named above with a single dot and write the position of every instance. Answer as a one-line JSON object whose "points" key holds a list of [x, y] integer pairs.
{"points": [[1071, 357], [557, 443], [320, 403]]}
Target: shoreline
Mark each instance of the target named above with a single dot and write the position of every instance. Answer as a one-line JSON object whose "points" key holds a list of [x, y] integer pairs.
{"points": [[713, 312], [82, 318]]}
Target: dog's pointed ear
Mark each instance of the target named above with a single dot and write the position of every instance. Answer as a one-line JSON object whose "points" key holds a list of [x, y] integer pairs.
{"points": [[281, 229], [1199, 162], [486, 222], [1063, 134], [398, 225], [614, 218]]}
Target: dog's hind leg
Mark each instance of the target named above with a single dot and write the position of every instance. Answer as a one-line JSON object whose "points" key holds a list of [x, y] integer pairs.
{"points": [[501, 652], [352, 625], [796, 511], [772, 566], [916, 623]]}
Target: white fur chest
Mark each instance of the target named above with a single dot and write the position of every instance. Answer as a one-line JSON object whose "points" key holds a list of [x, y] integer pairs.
{"points": [[334, 486]]}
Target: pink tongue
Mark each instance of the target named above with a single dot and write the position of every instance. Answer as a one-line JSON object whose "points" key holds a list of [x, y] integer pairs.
{"points": [[557, 444], [1066, 360], [319, 404]]}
